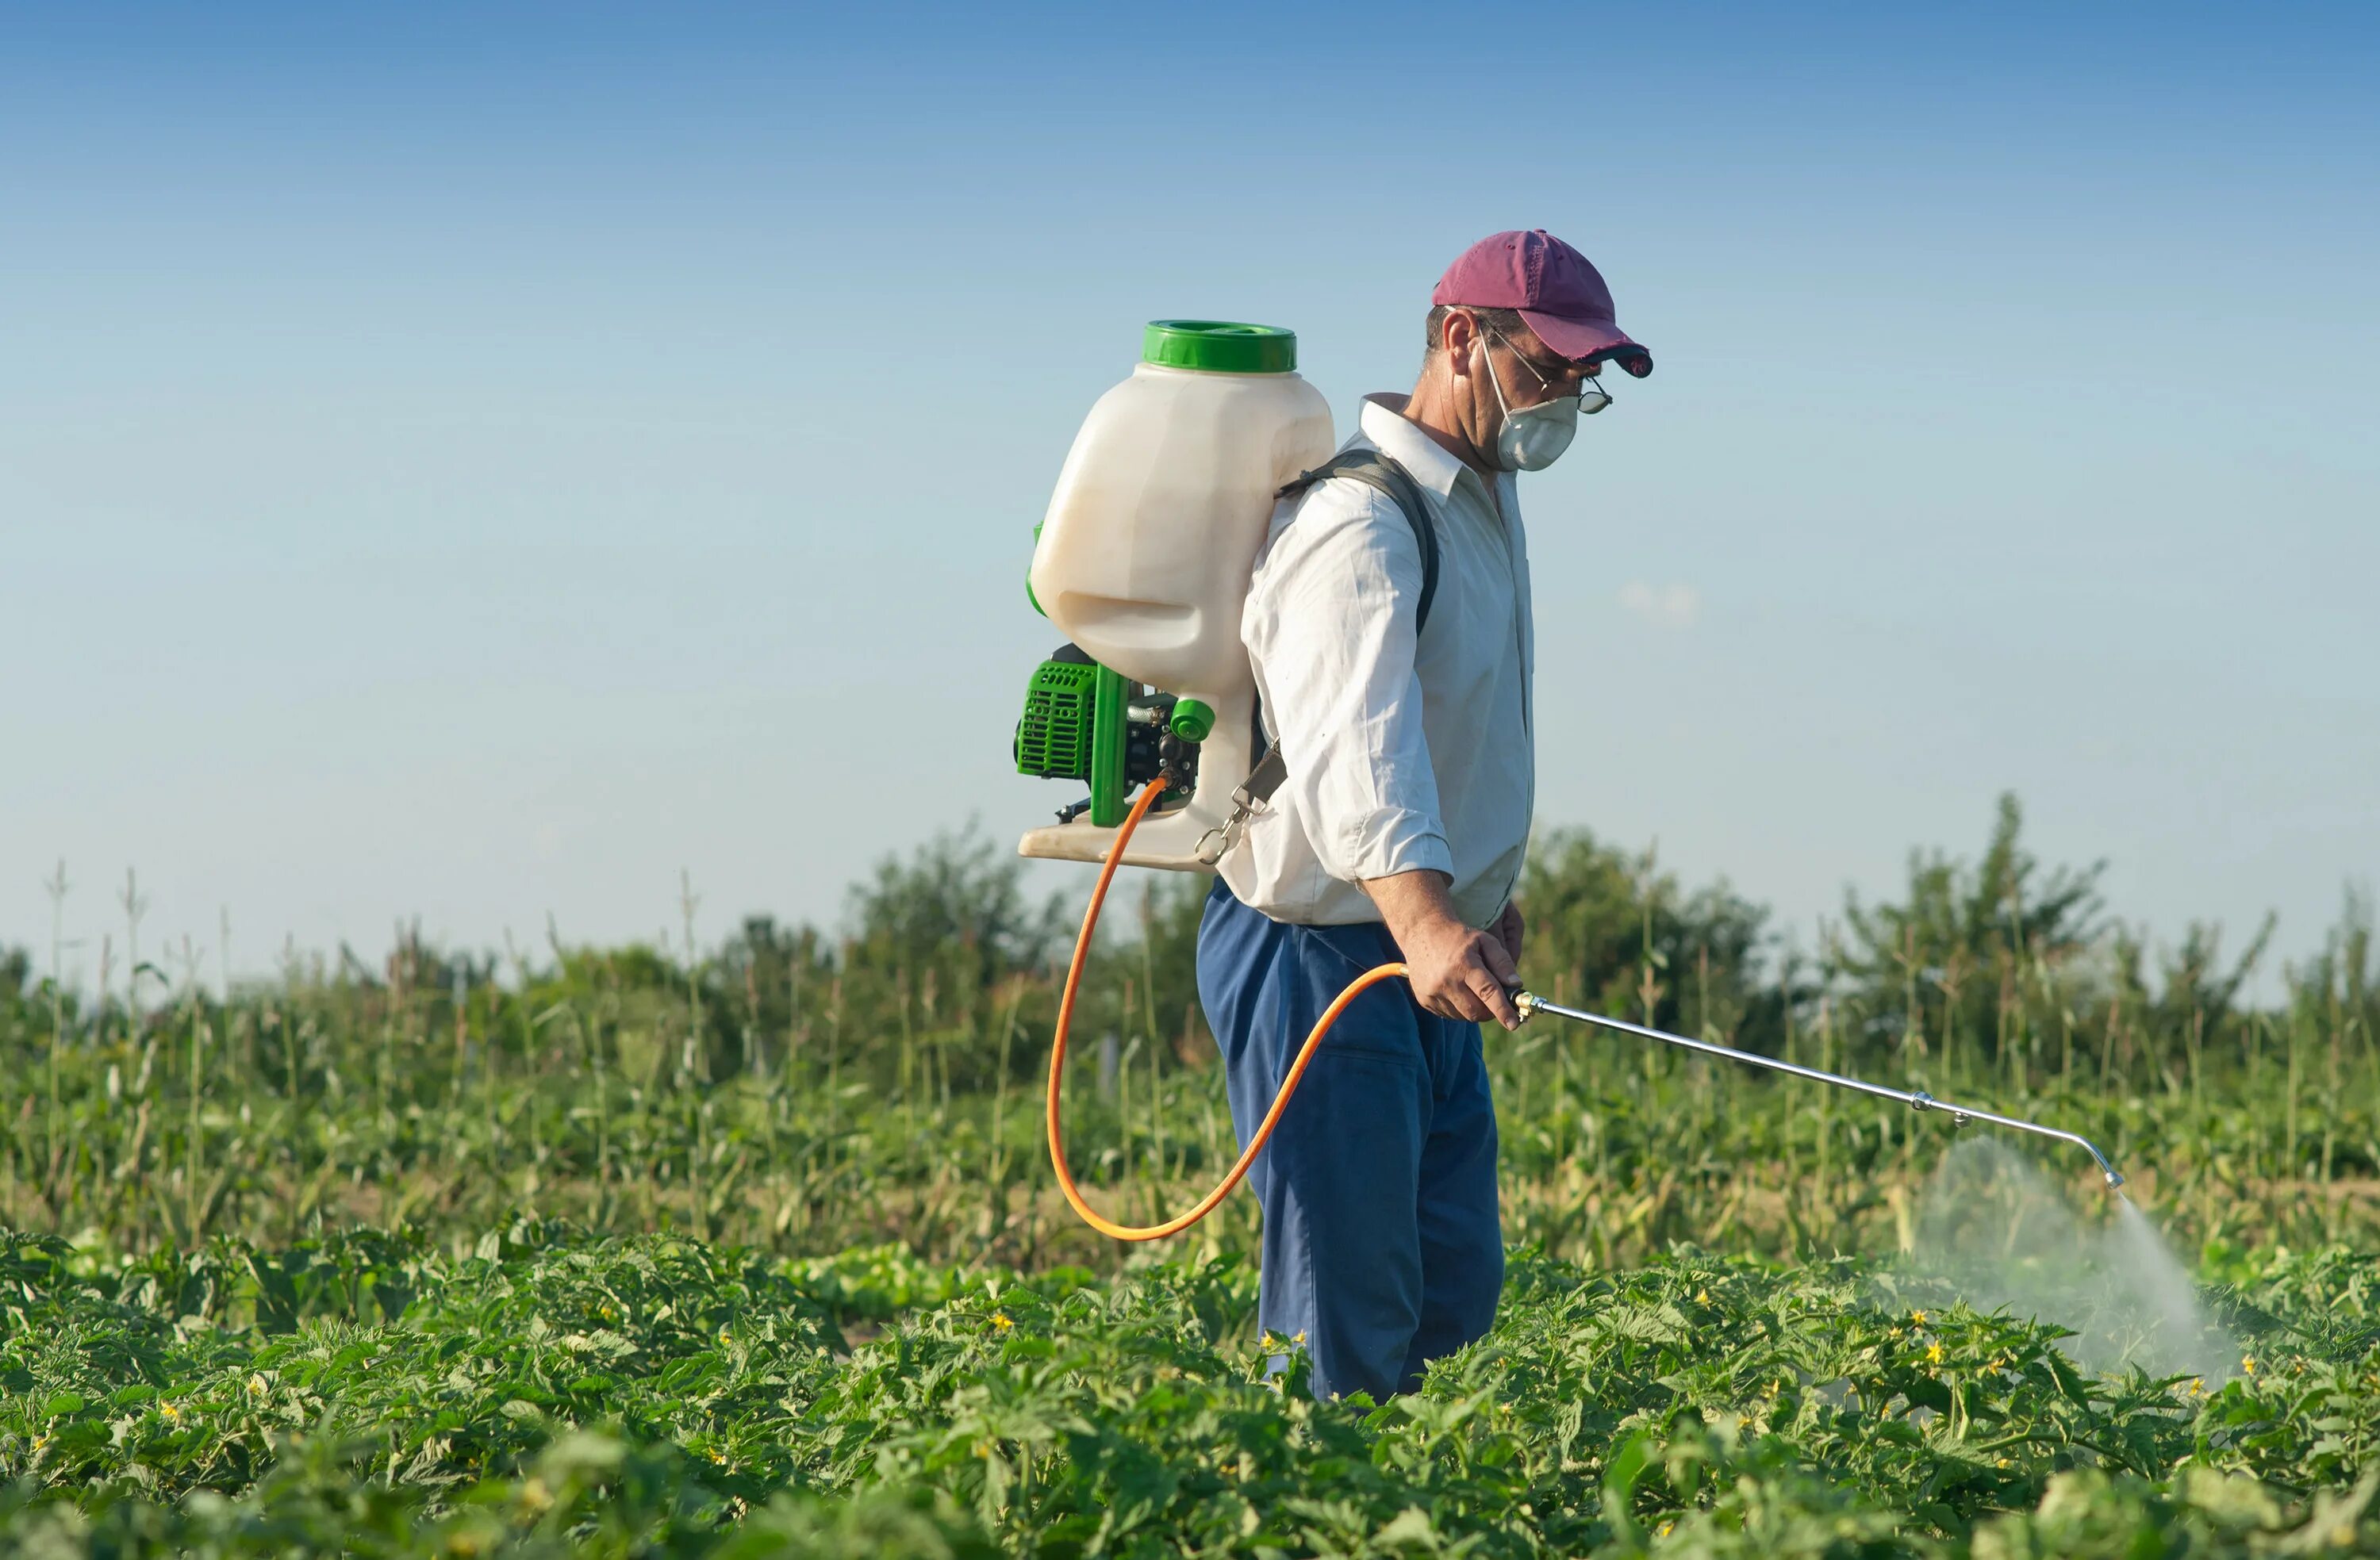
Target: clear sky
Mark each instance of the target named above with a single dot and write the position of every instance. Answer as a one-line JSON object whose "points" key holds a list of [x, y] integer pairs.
{"points": [[474, 461]]}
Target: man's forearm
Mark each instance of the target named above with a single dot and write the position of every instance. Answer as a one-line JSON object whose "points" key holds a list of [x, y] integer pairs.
{"points": [[1411, 902]]}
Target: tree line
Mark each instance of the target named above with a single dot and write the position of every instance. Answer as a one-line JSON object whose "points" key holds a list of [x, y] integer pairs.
{"points": [[944, 965]]}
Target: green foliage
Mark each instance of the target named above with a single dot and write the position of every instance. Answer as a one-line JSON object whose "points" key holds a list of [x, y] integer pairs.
{"points": [[1610, 933], [644, 1250], [1932, 969], [808, 1098], [959, 891], [548, 1392], [588, 1495]]}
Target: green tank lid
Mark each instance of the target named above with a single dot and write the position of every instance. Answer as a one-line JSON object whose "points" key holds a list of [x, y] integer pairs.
{"points": [[1219, 347]]}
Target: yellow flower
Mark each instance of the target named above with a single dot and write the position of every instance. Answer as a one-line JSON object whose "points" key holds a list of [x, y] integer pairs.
{"points": [[999, 1321], [1665, 1529], [256, 1386], [170, 1412], [1933, 1353], [1702, 1297], [1918, 1317], [2003, 1462], [715, 1455], [2248, 1364], [1300, 1339], [2197, 1386]]}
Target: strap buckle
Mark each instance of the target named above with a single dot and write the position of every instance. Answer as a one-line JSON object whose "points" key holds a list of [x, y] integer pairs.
{"points": [[1250, 799], [1226, 836]]}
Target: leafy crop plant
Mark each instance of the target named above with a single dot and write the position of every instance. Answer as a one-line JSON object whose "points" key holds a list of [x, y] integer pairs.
{"points": [[552, 1391]]}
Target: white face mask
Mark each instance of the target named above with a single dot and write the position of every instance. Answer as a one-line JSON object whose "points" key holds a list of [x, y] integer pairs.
{"points": [[1533, 438]]}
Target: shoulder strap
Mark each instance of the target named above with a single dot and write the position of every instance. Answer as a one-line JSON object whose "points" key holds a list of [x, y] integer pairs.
{"points": [[1381, 473]]}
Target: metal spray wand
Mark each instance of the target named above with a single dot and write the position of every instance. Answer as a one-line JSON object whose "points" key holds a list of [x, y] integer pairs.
{"points": [[1529, 1003]]}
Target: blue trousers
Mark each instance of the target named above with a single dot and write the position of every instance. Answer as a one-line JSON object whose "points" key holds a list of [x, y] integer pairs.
{"points": [[1381, 1243]]}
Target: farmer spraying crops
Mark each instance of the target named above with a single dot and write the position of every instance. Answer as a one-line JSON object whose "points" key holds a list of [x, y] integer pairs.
{"points": [[1389, 627], [1315, 668]]}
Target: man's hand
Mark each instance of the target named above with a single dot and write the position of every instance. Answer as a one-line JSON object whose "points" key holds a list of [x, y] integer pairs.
{"points": [[1456, 973]]}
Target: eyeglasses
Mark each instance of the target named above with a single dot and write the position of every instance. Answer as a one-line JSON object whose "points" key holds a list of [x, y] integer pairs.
{"points": [[1592, 396]]}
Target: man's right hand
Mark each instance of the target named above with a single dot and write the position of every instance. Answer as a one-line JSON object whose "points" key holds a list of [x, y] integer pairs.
{"points": [[1456, 972]]}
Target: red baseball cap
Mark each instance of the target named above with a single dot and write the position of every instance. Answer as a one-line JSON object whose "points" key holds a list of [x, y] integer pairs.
{"points": [[1557, 291]]}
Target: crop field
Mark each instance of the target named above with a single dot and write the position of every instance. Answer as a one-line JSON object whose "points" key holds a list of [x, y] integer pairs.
{"points": [[553, 1391], [750, 1247]]}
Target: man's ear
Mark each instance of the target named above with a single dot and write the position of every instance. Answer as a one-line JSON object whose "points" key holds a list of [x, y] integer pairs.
{"points": [[1457, 333]]}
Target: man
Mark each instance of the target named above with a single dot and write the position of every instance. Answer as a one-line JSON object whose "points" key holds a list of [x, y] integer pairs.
{"points": [[1399, 830]]}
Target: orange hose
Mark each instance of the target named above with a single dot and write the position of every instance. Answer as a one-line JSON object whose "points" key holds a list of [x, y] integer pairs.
{"points": [[1206, 1204]]}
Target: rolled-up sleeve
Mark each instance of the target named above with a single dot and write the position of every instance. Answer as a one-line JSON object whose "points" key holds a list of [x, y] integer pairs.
{"points": [[1329, 628]]}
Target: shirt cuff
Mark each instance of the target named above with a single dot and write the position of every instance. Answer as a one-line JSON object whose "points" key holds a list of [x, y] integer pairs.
{"points": [[1389, 840]]}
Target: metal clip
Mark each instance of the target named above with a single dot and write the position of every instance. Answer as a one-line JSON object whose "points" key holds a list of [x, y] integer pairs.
{"points": [[1229, 833]]}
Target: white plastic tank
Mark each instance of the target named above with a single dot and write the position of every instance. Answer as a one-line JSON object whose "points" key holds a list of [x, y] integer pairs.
{"points": [[1144, 557], [1142, 560]]}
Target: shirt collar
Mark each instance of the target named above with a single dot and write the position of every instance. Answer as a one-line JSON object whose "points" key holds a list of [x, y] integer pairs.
{"points": [[1431, 463]]}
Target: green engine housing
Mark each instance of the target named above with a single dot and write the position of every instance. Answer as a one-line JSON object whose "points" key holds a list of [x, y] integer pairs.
{"points": [[1053, 738], [1082, 722]]}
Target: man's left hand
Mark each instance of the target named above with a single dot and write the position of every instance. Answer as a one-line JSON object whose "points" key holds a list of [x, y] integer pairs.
{"points": [[1508, 930]]}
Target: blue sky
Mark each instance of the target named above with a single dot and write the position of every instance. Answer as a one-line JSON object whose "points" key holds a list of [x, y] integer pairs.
{"points": [[477, 462]]}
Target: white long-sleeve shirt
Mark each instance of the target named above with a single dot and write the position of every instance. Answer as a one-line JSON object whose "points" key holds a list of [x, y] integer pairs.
{"points": [[1400, 756]]}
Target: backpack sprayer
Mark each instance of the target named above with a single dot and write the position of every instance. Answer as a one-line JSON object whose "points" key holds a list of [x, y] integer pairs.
{"points": [[1144, 560]]}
